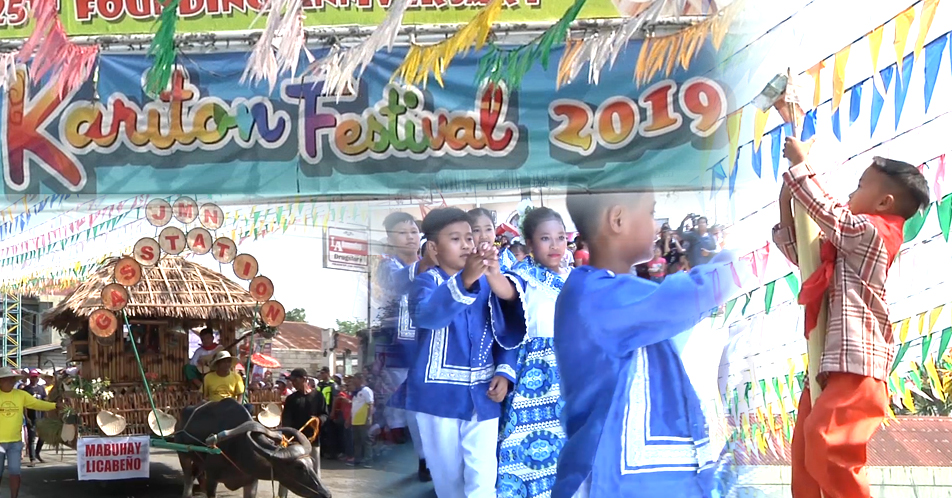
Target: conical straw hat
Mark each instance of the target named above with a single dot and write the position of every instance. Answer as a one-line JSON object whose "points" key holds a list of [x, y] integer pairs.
{"points": [[163, 425], [110, 424], [270, 415], [68, 434]]}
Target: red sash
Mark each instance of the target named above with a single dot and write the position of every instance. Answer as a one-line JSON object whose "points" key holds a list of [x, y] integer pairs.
{"points": [[811, 295]]}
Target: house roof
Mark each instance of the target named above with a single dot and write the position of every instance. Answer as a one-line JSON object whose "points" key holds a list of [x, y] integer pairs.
{"points": [[298, 335], [908, 441]]}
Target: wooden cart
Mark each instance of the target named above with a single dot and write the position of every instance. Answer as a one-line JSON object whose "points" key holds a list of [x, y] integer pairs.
{"points": [[173, 297]]}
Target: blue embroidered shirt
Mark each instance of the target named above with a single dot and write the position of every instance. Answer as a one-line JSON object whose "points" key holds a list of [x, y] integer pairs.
{"points": [[634, 423], [456, 356], [396, 340]]}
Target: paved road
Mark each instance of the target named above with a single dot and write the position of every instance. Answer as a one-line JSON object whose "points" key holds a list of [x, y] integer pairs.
{"points": [[394, 475]]}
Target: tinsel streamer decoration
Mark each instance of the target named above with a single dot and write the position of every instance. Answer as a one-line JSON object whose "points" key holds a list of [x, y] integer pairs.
{"points": [[278, 50], [664, 53], [8, 70], [602, 48], [163, 50], [421, 61], [342, 68], [67, 63], [510, 66]]}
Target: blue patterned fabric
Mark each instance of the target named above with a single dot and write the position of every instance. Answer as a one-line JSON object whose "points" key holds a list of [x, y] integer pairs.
{"points": [[530, 433], [634, 423], [395, 339], [507, 260], [455, 356]]}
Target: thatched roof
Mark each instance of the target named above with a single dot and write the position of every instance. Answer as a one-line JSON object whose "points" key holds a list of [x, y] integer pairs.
{"points": [[175, 288]]}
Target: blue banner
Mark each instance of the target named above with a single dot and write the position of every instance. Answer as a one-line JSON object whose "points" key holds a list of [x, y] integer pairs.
{"points": [[208, 134]]}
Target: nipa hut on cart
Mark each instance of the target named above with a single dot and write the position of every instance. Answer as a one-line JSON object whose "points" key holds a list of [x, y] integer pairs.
{"points": [[172, 298]]}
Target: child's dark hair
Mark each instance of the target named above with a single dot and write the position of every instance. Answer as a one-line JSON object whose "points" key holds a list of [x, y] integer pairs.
{"points": [[476, 213], [587, 209], [518, 247], [536, 217], [911, 188], [396, 218], [438, 219]]}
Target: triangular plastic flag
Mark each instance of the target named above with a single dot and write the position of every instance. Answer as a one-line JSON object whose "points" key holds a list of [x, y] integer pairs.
{"points": [[729, 308], [760, 123], [733, 137], [775, 149], [880, 98], [793, 283], [904, 330], [756, 160], [903, 22], [944, 210], [913, 225], [944, 341], [836, 125], [743, 311], [839, 75], [934, 316], [937, 184], [875, 38], [718, 176], [925, 22], [815, 73], [933, 61], [902, 87], [934, 380], [809, 126], [732, 181], [768, 299], [926, 344], [856, 99]]}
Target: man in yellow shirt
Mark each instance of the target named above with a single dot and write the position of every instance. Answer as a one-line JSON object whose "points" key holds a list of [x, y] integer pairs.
{"points": [[12, 403], [223, 382]]}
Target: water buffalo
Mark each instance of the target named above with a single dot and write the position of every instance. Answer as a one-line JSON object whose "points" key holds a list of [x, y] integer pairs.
{"points": [[250, 452]]}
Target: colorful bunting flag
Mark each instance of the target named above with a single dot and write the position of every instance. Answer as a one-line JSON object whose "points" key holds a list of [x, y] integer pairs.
{"points": [[839, 75], [856, 99], [815, 73], [902, 87], [933, 60], [768, 298], [903, 22], [875, 39], [925, 22], [879, 98]]}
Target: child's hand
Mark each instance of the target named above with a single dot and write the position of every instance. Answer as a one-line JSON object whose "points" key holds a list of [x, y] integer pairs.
{"points": [[786, 195], [475, 267], [797, 151], [498, 388]]}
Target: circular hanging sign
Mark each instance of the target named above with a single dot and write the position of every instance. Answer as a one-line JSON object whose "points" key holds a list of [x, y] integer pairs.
{"points": [[114, 297], [272, 313], [158, 212], [127, 272], [246, 266], [211, 216], [199, 241], [261, 289], [185, 209], [172, 240], [146, 251], [224, 250], [103, 323]]}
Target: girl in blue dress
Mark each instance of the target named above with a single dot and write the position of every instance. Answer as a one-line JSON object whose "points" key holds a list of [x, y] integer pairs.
{"points": [[530, 434]]}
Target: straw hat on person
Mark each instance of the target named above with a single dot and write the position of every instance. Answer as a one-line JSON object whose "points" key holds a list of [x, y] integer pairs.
{"points": [[110, 424], [221, 355], [270, 415], [163, 425], [7, 372]]}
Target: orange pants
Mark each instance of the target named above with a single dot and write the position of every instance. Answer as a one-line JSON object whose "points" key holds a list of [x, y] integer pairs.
{"points": [[830, 439]]}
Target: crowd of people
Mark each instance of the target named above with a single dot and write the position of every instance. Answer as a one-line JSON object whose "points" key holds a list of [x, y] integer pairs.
{"points": [[695, 242]]}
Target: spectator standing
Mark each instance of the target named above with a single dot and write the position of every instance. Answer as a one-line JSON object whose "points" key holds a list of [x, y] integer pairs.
{"points": [[300, 407], [12, 404], [361, 420], [38, 392], [703, 246], [657, 266], [581, 252]]}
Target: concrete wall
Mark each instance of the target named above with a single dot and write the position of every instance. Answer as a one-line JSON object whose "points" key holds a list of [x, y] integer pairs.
{"points": [[308, 359], [886, 482], [39, 360]]}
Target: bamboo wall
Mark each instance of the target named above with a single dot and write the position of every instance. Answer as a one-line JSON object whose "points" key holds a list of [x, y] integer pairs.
{"points": [[133, 404]]}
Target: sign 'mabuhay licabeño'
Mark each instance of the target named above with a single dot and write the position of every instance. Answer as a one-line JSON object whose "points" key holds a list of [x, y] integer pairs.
{"points": [[346, 248], [112, 458]]}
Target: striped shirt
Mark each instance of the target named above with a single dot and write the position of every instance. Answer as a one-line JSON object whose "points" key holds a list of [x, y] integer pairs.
{"points": [[859, 338]]}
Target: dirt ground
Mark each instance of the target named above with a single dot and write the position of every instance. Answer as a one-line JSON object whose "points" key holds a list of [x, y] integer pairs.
{"points": [[393, 475]]}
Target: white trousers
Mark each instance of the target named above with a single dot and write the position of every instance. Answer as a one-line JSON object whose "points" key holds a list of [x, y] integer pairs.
{"points": [[397, 418], [585, 490], [415, 434], [461, 455]]}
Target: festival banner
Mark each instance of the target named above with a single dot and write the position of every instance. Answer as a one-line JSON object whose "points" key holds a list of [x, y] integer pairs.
{"points": [[111, 458], [120, 17], [209, 135]]}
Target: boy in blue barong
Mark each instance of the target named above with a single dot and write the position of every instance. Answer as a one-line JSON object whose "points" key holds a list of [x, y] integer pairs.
{"points": [[458, 376], [634, 422]]}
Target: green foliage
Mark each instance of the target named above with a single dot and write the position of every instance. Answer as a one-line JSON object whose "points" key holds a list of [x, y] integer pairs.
{"points": [[348, 327], [296, 315]]}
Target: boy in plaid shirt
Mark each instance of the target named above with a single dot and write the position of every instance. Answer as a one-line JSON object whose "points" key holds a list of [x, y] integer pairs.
{"points": [[861, 239]]}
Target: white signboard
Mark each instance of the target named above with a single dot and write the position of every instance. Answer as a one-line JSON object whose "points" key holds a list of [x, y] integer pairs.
{"points": [[112, 458], [346, 248]]}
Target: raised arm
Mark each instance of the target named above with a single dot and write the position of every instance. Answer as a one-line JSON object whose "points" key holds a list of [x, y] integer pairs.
{"points": [[631, 313], [434, 306], [839, 225], [37, 404], [784, 235], [394, 278]]}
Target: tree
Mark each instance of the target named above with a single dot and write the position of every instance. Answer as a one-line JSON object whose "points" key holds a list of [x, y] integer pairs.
{"points": [[295, 315], [348, 327]]}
